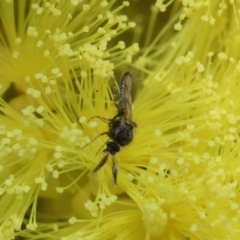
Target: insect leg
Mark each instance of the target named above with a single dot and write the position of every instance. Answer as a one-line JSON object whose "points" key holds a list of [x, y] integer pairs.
{"points": [[102, 162], [114, 170], [101, 134], [106, 120]]}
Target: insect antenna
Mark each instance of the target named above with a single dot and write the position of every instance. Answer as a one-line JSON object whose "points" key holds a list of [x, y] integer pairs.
{"points": [[102, 147], [114, 170], [102, 162]]}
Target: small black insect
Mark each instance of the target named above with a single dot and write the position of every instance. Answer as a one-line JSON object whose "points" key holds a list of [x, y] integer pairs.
{"points": [[120, 127]]}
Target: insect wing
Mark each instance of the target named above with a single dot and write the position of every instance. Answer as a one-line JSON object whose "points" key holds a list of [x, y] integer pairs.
{"points": [[125, 97]]}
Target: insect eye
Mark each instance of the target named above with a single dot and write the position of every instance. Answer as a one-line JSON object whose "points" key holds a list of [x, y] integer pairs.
{"points": [[113, 148]]}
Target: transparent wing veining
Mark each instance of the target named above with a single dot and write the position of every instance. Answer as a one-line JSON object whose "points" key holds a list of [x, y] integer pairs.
{"points": [[125, 97]]}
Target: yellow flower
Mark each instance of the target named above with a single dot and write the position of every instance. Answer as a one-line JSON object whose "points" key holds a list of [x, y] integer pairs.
{"points": [[178, 178]]}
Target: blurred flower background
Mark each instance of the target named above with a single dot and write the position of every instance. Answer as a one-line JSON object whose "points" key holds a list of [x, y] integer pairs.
{"points": [[179, 178]]}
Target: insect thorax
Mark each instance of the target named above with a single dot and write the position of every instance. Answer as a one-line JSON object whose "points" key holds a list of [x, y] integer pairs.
{"points": [[121, 131]]}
